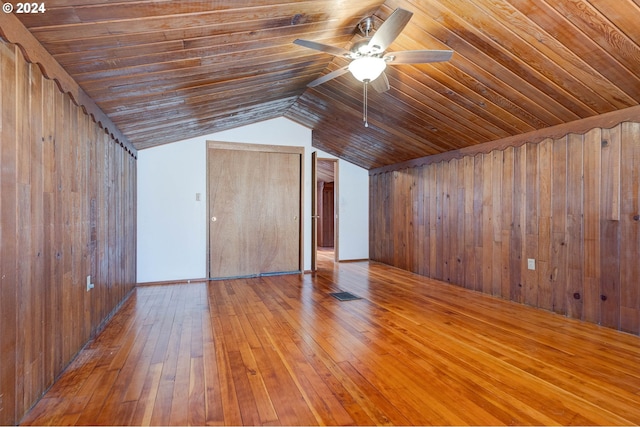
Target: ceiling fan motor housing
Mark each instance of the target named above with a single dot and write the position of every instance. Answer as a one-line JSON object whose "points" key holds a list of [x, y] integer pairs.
{"points": [[362, 48]]}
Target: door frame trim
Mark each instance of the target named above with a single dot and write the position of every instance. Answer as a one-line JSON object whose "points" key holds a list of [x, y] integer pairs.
{"points": [[265, 148], [314, 211]]}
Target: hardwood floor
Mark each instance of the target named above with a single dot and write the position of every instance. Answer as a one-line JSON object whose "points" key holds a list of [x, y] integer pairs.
{"points": [[281, 351], [325, 255]]}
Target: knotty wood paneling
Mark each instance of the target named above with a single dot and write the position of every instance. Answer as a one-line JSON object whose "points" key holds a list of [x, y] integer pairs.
{"points": [[571, 203], [67, 210]]}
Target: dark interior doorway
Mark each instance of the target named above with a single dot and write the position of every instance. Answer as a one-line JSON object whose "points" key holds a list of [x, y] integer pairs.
{"points": [[326, 205]]}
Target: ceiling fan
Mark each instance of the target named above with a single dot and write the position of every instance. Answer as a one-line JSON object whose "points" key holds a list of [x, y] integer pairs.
{"points": [[368, 60]]}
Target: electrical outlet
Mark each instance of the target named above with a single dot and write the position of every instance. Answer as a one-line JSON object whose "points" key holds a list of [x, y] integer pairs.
{"points": [[89, 284], [531, 264]]}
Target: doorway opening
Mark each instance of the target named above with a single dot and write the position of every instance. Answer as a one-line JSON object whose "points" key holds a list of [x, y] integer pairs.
{"points": [[326, 199]]}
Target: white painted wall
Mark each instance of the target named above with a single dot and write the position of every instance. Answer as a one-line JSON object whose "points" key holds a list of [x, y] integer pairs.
{"points": [[172, 224], [353, 212], [172, 229]]}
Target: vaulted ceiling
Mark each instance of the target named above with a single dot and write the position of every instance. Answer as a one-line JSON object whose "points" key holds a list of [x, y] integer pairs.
{"points": [[164, 71]]}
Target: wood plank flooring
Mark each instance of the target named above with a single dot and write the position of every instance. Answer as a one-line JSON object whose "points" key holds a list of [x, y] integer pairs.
{"points": [[281, 351]]}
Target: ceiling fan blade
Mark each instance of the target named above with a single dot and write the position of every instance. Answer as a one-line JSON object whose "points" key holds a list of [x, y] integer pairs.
{"points": [[418, 56], [389, 30], [332, 50], [327, 77], [381, 84]]}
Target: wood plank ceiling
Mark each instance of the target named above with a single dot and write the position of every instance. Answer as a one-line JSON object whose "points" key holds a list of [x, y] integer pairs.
{"points": [[164, 71]]}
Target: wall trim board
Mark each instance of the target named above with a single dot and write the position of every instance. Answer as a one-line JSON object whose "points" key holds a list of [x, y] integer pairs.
{"points": [[607, 120], [173, 282], [268, 148], [13, 31]]}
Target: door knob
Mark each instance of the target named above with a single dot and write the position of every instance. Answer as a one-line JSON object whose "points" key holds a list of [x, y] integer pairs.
{"points": [[214, 219]]}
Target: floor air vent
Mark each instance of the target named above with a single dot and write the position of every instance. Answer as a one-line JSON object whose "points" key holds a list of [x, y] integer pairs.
{"points": [[344, 296]]}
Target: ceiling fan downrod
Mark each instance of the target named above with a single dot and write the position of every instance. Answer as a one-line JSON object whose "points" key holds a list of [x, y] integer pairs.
{"points": [[365, 107], [366, 26]]}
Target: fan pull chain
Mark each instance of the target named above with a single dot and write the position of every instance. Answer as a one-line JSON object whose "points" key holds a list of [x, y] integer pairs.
{"points": [[365, 107]]}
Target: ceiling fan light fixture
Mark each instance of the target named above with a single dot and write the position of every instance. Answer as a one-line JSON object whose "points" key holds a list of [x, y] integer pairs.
{"points": [[367, 68]]}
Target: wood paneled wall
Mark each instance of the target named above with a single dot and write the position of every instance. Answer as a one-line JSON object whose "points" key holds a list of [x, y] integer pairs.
{"points": [[67, 210], [571, 204]]}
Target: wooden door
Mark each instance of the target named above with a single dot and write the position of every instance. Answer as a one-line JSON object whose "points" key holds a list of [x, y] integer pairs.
{"points": [[327, 216], [254, 210]]}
